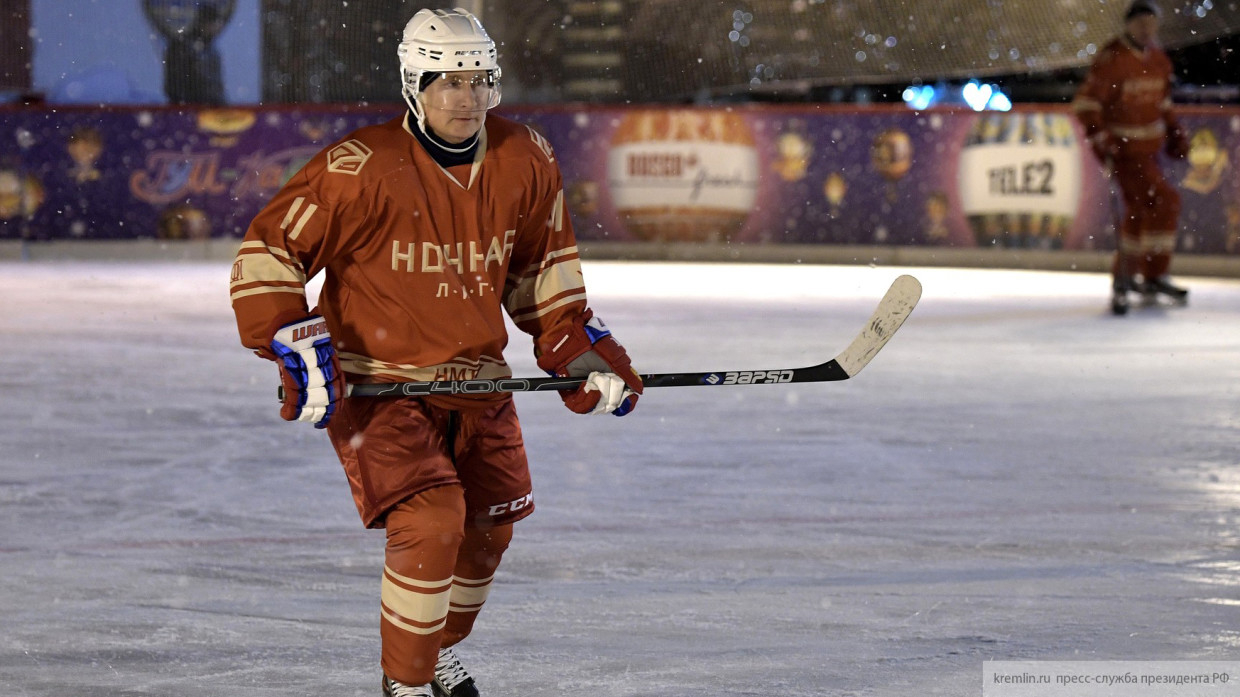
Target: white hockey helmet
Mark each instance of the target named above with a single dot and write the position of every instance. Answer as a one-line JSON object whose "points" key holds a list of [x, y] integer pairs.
{"points": [[442, 41]]}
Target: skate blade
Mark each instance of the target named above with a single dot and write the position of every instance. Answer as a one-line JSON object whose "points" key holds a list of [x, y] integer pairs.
{"points": [[1164, 301]]}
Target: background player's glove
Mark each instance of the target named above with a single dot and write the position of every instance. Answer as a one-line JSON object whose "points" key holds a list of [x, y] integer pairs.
{"points": [[586, 348], [1177, 145], [309, 371], [1104, 146]]}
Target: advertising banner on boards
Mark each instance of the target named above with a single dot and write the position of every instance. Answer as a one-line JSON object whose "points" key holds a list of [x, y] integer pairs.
{"points": [[753, 174]]}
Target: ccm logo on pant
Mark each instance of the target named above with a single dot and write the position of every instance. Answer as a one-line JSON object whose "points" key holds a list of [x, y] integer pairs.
{"points": [[512, 506]]}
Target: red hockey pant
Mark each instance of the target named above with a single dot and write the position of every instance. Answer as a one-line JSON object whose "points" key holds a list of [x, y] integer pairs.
{"points": [[1151, 214]]}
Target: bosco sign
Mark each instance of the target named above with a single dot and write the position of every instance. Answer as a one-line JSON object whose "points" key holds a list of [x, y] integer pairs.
{"points": [[683, 175], [1020, 179]]}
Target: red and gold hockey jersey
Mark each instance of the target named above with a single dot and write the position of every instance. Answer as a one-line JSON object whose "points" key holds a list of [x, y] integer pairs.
{"points": [[1127, 93], [420, 266]]}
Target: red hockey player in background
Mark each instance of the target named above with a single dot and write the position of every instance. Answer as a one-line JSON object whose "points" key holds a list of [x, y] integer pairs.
{"points": [[429, 229], [1125, 106]]}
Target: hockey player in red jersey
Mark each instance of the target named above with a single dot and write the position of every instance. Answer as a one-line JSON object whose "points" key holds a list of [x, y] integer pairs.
{"points": [[429, 229], [1125, 106]]}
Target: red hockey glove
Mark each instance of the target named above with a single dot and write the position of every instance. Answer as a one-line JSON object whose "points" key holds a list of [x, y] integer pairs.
{"points": [[585, 347], [1177, 145], [1104, 146], [309, 371]]}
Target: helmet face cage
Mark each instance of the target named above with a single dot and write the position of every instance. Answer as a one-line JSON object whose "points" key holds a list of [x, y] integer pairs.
{"points": [[484, 85], [439, 43]]}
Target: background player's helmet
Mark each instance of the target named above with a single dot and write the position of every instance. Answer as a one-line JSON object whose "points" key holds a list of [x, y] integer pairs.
{"points": [[442, 41], [1142, 7]]}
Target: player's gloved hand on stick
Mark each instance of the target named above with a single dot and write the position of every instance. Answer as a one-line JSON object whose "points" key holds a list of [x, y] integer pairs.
{"points": [[1104, 146], [1177, 145], [586, 348], [309, 371]]}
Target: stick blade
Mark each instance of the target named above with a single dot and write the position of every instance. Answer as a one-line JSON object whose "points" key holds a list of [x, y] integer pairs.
{"points": [[890, 314]]}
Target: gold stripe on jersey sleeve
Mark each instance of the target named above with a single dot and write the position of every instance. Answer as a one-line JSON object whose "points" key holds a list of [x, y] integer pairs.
{"points": [[526, 288], [250, 248], [557, 257], [267, 268], [556, 284], [1084, 104], [540, 311], [265, 289], [557, 213], [260, 269], [262, 290]]}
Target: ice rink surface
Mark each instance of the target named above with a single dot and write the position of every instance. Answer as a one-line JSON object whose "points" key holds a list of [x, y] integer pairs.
{"points": [[1017, 476]]}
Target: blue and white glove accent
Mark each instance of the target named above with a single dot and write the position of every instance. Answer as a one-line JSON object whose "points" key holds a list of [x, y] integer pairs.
{"points": [[584, 347], [309, 371]]}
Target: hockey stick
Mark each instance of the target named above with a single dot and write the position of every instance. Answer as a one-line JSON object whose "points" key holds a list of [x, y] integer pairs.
{"points": [[891, 312]]}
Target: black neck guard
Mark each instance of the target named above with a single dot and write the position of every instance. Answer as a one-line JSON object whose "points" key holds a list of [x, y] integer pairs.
{"points": [[445, 154]]}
